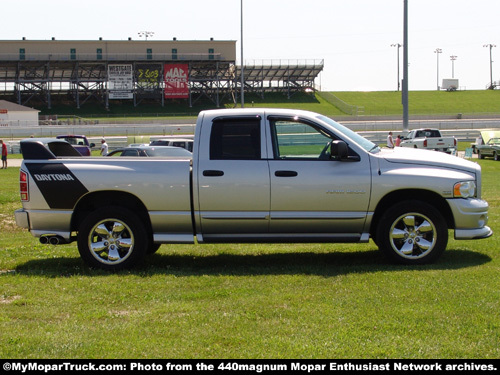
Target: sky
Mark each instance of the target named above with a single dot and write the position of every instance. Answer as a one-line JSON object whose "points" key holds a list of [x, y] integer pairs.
{"points": [[352, 37]]}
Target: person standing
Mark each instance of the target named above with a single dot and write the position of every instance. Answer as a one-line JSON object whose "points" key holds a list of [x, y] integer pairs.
{"points": [[104, 147], [4, 154], [398, 141], [390, 141]]}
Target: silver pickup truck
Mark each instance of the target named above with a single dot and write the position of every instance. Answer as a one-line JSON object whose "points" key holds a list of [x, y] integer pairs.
{"points": [[256, 175]]}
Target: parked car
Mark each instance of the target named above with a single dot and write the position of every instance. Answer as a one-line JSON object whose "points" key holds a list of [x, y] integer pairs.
{"points": [[429, 139], [151, 151], [176, 142], [491, 148], [79, 142]]}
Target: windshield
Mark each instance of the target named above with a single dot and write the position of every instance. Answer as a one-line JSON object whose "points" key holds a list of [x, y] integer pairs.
{"points": [[369, 146]]}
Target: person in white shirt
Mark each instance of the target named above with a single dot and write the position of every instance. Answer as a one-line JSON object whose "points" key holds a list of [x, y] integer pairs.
{"points": [[104, 147], [390, 141]]}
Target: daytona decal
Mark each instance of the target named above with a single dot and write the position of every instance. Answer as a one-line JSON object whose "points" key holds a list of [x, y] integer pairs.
{"points": [[58, 185]]}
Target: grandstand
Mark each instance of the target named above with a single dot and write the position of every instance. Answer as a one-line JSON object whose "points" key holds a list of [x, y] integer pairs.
{"points": [[46, 72]]}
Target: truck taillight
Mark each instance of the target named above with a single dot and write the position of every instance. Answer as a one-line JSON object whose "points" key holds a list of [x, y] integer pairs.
{"points": [[23, 186], [425, 142]]}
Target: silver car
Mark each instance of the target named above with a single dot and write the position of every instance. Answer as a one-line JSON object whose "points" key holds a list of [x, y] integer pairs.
{"points": [[151, 151]]}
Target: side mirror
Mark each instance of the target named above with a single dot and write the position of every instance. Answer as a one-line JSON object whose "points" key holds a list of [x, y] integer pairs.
{"points": [[339, 150], [92, 145]]}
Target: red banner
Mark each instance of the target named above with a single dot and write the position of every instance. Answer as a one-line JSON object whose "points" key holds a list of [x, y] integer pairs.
{"points": [[176, 81]]}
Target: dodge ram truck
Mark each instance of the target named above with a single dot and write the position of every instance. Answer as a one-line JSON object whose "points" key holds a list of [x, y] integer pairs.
{"points": [[429, 139], [255, 175]]}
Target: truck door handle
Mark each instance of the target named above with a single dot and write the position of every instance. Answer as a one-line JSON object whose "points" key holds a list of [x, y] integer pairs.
{"points": [[213, 173], [286, 174]]}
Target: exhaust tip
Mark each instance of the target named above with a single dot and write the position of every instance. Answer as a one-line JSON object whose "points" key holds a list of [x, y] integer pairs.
{"points": [[54, 240]]}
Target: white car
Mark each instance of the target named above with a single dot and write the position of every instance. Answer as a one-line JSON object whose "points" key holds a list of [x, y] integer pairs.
{"points": [[176, 142]]}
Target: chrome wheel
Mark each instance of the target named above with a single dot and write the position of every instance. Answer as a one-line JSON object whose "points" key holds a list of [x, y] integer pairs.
{"points": [[113, 238], [412, 235], [412, 232], [111, 241]]}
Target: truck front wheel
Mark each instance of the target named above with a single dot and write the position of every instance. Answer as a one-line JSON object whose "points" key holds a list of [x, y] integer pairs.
{"points": [[112, 238], [412, 232]]}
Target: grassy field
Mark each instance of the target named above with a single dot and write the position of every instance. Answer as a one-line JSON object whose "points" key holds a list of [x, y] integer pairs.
{"points": [[374, 103], [425, 102], [249, 301]]}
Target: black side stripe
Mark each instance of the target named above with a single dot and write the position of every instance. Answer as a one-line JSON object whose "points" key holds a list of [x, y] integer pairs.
{"points": [[58, 185]]}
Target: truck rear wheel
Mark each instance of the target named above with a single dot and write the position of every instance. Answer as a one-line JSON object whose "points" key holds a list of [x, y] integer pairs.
{"points": [[112, 238], [412, 232]]}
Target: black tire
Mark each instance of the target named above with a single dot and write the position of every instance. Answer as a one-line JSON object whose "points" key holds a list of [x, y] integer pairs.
{"points": [[480, 155], [496, 157], [113, 238], [412, 232]]}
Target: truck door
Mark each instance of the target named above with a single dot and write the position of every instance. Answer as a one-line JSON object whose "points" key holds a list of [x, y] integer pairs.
{"points": [[232, 179], [313, 195]]}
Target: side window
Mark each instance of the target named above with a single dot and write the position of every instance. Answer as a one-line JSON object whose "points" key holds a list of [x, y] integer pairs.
{"points": [[235, 139], [130, 153], [299, 140]]}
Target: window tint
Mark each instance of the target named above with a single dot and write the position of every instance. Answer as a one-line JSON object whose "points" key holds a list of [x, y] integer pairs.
{"points": [[298, 140], [130, 153], [235, 139]]}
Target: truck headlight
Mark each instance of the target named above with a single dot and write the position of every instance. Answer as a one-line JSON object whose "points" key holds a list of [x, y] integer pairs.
{"points": [[465, 189]]}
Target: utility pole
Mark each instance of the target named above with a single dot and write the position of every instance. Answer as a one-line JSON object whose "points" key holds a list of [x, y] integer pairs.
{"points": [[405, 68], [491, 65], [453, 58], [399, 46], [437, 51], [242, 64]]}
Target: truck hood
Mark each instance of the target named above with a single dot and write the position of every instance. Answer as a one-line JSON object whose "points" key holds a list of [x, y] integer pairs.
{"points": [[427, 158]]}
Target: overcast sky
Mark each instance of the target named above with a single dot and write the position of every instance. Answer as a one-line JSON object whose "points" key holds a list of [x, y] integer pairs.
{"points": [[353, 37]]}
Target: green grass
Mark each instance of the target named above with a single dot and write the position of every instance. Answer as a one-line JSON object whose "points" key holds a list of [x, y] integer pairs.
{"points": [[374, 103], [425, 102], [249, 301]]}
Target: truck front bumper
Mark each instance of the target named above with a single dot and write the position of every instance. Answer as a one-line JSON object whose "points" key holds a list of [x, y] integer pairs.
{"points": [[470, 217]]}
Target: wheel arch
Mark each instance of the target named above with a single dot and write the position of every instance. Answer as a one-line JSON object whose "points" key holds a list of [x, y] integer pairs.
{"points": [[92, 201], [397, 196]]}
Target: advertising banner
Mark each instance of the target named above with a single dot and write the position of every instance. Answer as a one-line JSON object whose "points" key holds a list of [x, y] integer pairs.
{"points": [[121, 81], [176, 81], [148, 76]]}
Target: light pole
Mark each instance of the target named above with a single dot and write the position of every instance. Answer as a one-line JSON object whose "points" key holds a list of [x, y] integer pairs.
{"points": [[145, 34], [404, 95], [453, 58], [491, 65], [399, 46], [437, 51], [242, 69]]}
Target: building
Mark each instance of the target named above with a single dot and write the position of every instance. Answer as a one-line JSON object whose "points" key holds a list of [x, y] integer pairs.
{"points": [[48, 71], [17, 115]]}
